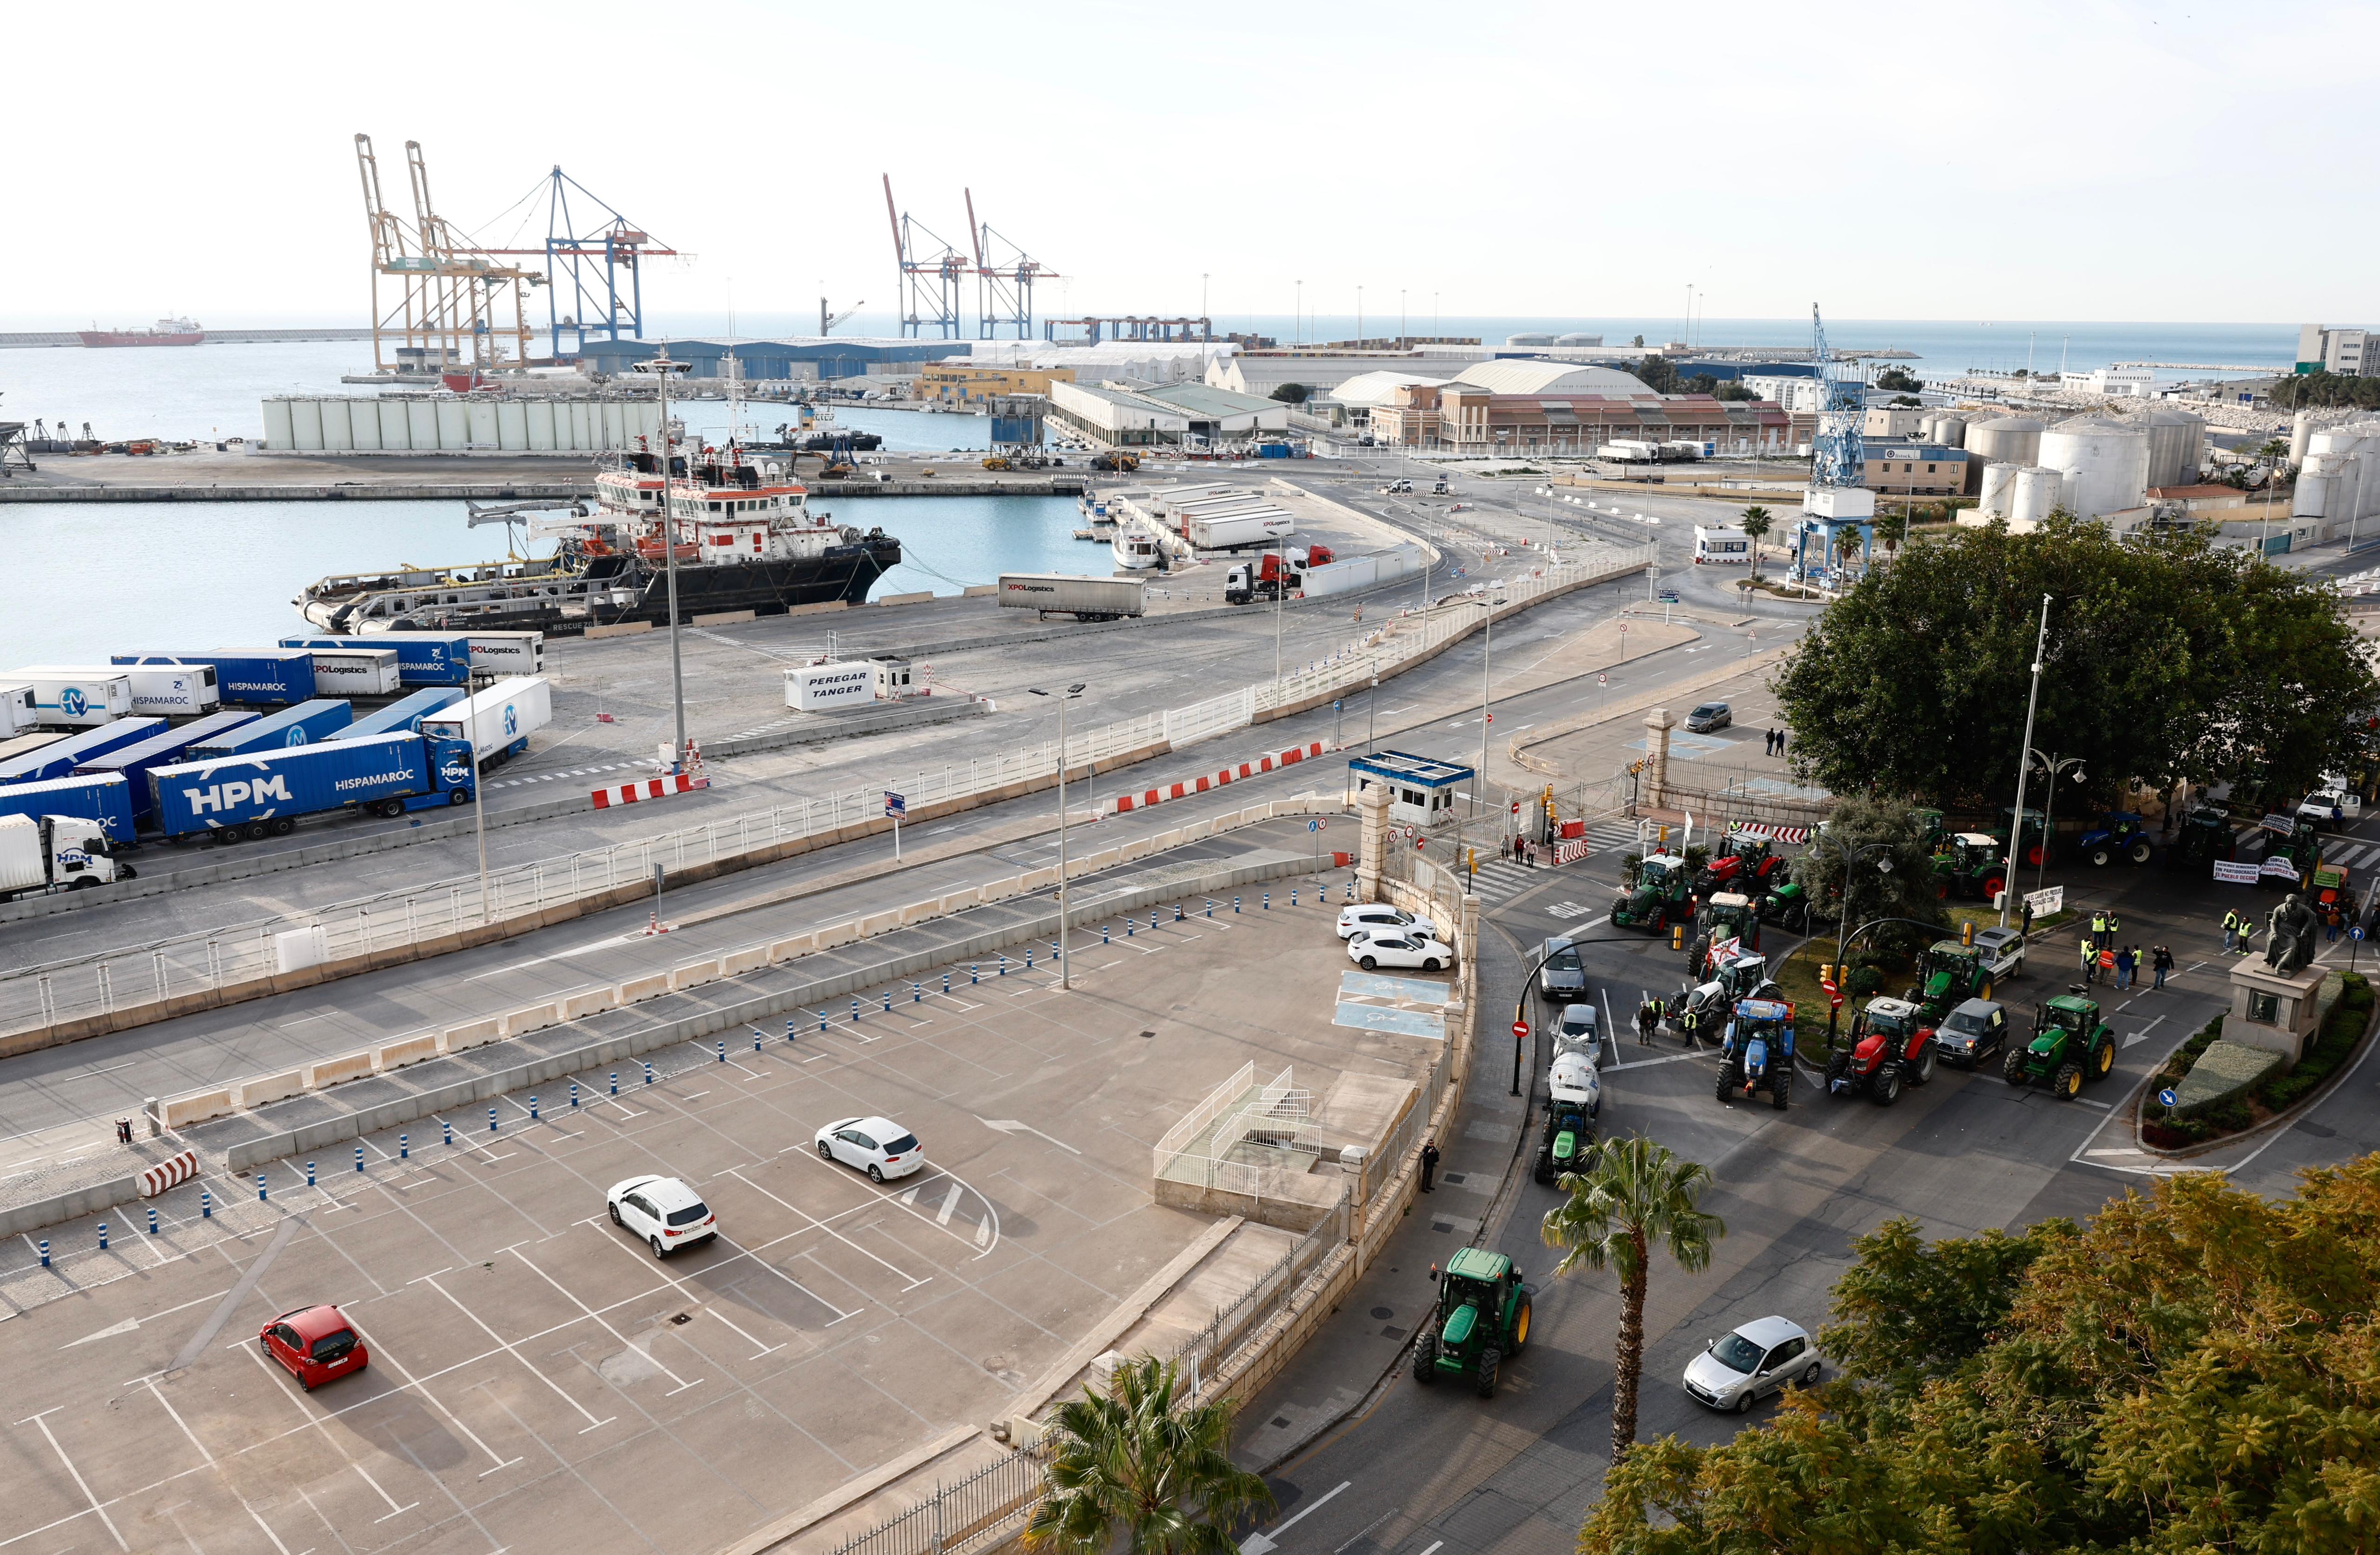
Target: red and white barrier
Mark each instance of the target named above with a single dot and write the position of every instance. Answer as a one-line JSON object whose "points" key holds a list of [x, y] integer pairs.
{"points": [[651, 788], [1571, 851], [1792, 836], [1188, 786], [164, 1175]]}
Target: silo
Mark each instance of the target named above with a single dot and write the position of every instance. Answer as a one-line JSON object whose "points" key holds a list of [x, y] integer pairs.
{"points": [[1950, 432], [1580, 340], [1532, 338], [2300, 429], [2108, 461], [2013, 440], [1999, 489], [2038, 491], [2177, 447], [278, 433]]}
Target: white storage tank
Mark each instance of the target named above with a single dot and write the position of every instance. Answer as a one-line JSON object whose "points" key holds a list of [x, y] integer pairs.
{"points": [[1950, 432], [1999, 489], [277, 433], [2036, 492], [338, 426], [2107, 463], [2177, 447], [2014, 440]]}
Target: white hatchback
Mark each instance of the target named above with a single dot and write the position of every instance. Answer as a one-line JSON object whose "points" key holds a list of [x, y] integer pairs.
{"points": [[1378, 918], [879, 1147], [663, 1213], [1735, 1369], [1372, 952]]}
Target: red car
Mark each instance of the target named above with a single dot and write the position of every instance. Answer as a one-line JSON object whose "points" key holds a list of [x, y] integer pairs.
{"points": [[316, 1343]]}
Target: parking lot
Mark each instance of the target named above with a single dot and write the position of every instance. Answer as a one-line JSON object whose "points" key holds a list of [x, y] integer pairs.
{"points": [[539, 1381]]}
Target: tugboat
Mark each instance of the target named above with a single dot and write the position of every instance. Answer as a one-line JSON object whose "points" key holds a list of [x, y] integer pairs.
{"points": [[745, 540]]}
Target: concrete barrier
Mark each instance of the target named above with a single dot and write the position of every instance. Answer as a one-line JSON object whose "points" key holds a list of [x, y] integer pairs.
{"points": [[69, 1206], [270, 1088], [918, 912], [331, 1071], [959, 901], [790, 946], [175, 1110], [735, 964], [535, 1018], [635, 988], [877, 923], [594, 1002], [692, 973], [835, 934], [404, 1050], [478, 1033]]}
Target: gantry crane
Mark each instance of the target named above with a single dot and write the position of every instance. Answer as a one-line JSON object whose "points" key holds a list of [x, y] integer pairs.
{"points": [[595, 279], [1006, 289], [930, 285], [445, 319]]}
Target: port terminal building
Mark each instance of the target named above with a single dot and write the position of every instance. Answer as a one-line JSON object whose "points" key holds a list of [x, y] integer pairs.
{"points": [[812, 360]]}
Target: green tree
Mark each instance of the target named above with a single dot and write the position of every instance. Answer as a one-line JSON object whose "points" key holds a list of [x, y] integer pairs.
{"points": [[1907, 402], [1892, 528], [1898, 379], [2191, 1372], [1638, 341], [1633, 1196], [1657, 373], [1755, 523], [2167, 659], [1732, 390], [1146, 1466], [1907, 890], [1292, 393]]}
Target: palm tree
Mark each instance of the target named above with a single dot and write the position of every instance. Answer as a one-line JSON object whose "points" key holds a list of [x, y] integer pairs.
{"points": [[1756, 524], [1633, 1194], [1142, 1463]]}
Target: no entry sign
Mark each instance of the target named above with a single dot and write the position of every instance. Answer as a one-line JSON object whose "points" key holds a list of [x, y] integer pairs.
{"points": [[1519, 1031]]}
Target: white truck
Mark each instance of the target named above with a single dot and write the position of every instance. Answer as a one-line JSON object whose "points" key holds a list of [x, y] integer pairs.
{"points": [[158, 690], [1085, 599], [1228, 531], [498, 721], [53, 853], [18, 714], [68, 697], [2334, 803]]}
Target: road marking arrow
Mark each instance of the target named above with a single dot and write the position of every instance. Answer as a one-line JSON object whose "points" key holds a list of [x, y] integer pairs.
{"points": [[1257, 1544], [1010, 1126], [2143, 1031]]}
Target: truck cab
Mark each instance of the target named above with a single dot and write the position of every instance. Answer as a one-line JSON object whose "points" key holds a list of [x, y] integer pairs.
{"points": [[1271, 577], [55, 853]]}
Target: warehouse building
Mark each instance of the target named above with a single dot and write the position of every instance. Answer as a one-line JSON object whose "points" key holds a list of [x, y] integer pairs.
{"points": [[1919, 469], [810, 360], [1550, 408], [1119, 415], [963, 382]]}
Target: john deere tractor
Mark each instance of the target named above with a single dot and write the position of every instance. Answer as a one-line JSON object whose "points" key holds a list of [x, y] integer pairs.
{"points": [[1569, 1137], [1787, 905], [1482, 1319], [2205, 839], [1758, 1051], [1726, 915], [2069, 1044], [2304, 850], [2117, 834], [1657, 898], [1968, 865], [1948, 975]]}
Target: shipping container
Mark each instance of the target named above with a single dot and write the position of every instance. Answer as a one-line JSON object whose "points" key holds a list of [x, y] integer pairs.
{"points": [[59, 757], [814, 688], [18, 746], [422, 658], [1086, 599], [270, 677], [497, 655], [160, 691], [132, 762], [265, 792], [77, 699], [402, 717], [105, 799], [304, 725], [356, 671], [496, 722], [18, 714], [1228, 531]]}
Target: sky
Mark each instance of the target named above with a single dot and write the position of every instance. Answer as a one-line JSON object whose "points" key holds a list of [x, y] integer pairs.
{"points": [[2074, 161]]}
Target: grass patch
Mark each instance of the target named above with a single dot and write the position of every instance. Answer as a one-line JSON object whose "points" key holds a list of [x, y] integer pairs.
{"points": [[2342, 1030]]}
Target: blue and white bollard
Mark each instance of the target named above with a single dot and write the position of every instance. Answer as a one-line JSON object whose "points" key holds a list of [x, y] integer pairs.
{"points": [[152, 1220], [404, 1149], [102, 1236], [757, 1038], [1268, 901], [789, 1028], [45, 1252], [491, 1120], [723, 1052], [946, 982], [1029, 958], [574, 1100], [359, 1150], [1293, 896], [648, 1072], [1177, 912], [309, 1174], [1003, 965], [855, 1012], [1210, 907], [888, 1000], [1235, 905], [448, 1125], [206, 1205], [915, 997], [1103, 933], [1130, 923], [616, 1082], [821, 1023], [975, 973]]}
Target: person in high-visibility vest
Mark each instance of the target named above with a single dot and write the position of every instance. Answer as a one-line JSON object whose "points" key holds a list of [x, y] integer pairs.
{"points": [[2230, 931], [2090, 960]]}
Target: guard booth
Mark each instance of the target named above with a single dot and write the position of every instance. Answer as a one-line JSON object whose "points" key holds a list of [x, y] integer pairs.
{"points": [[1421, 788]]}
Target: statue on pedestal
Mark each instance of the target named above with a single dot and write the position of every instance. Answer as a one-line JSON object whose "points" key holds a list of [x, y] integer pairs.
{"points": [[2289, 934]]}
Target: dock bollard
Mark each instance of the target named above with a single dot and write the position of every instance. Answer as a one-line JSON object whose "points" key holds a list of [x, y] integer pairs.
{"points": [[309, 1174], [152, 1220], [491, 1120], [102, 1236], [206, 1205], [45, 1252], [404, 1149], [359, 1150]]}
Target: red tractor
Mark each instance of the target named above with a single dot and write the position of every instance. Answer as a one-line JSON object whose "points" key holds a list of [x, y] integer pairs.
{"points": [[1747, 863], [1892, 1045]]}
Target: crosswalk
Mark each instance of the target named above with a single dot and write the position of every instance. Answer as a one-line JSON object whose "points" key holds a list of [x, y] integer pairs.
{"points": [[2353, 857], [1499, 880], [572, 772]]}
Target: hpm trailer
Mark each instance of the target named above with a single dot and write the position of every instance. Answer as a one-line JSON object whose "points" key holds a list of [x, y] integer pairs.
{"points": [[164, 748], [497, 721], [404, 716], [158, 691], [251, 797], [106, 799], [53, 853], [422, 658], [307, 724], [257, 677], [59, 757]]}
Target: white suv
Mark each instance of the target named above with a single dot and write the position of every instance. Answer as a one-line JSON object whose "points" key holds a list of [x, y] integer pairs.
{"points": [[1378, 918], [661, 1211]]}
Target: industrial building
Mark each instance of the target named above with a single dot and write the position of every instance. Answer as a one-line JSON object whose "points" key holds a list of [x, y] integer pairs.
{"points": [[2135, 382], [2091, 467], [2339, 481], [2324, 349], [965, 383], [1796, 397], [802, 360], [1116, 415], [1915, 470]]}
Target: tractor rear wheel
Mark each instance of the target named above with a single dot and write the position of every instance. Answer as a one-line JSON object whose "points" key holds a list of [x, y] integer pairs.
{"points": [[2100, 855], [1521, 1327], [1885, 1089], [2068, 1082], [1490, 1360], [2012, 1067], [1425, 1359], [1924, 1069], [1781, 1087], [1994, 885], [2140, 850]]}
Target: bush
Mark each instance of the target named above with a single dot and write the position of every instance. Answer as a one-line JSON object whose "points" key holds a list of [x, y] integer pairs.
{"points": [[1866, 979], [2342, 1028]]}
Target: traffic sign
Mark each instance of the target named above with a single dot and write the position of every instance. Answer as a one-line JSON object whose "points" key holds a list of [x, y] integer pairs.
{"points": [[1314, 825], [1519, 1031], [1491, 718], [2167, 1097], [894, 805], [1516, 807], [1602, 679], [1834, 1000]]}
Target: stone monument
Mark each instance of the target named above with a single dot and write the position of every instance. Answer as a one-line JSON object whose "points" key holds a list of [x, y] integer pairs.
{"points": [[2278, 1011]]}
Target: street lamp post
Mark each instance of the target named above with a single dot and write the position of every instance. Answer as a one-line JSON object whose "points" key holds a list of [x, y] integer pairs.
{"points": [[1371, 714], [2050, 767], [2024, 763], [662, 366], [1486, 657], [1850, 857], [478, 822], [1065, 961]]}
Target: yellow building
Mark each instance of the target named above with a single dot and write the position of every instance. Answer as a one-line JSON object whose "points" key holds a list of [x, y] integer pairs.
{"points": [[956, 382]]}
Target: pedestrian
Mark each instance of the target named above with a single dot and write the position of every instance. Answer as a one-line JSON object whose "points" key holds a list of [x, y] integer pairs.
{"points": [[1648, 1016], [2230, 931], [2126, 959], [2024, 921], [2115, 924], [2107, 962], [2099, 924], [2330, 926], [1429, 1164], [2161, 960], [1780, 742], [2089, 959]]}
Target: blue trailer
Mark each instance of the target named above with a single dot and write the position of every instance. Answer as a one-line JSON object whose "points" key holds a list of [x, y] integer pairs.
{"points": [[60, 757], [264, 795], [267, 677], [422, 658], [304, 725], [132, 762], [106, 799], [402, 716]]}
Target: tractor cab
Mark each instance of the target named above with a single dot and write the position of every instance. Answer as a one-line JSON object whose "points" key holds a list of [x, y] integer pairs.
{"points": [[2117, 834], [1482, 1317], [1892, 1045], [2069, 1044], [2204, 839], [1745, 858], [1788, 904], [1575, 1093], [2034, 842], [2330, 892], [2304, 850], [1659, 896], [1948, 974], [1930, 832], [1733, 978], [1757, 1052], [1968, 865], [1728, 923]]}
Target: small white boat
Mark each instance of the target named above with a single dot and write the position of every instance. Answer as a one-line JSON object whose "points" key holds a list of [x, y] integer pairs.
{"points": [[1137, 547]]}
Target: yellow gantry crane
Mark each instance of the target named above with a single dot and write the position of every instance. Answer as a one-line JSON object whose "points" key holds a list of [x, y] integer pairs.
{"points": [[450, 292]]}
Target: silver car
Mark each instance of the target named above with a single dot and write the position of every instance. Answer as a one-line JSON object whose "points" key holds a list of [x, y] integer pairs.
{"points": [[1709, 716], [1736, 1369]]}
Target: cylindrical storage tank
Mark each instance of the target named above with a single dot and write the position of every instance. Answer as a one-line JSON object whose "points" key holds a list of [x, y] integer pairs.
{"points": [[1529, 339], [2300, 429], [482, 422], [2037, 493], [453, 426], [396, 425], [2108, 461], [512, 426], [338, 427], [1950, 432], [2010, 440], [421, 425], [306, 425], [645, 422], [1579, 340], [540, 425], [2312, 499], [276, 423], [614, 432], [2000, 482], [2177, 447]]}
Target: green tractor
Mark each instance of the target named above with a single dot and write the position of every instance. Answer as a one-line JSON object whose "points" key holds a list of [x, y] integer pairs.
{"points": [[1725, 916], [1968, 865], [2071, 1044], [2203, 840], [2304, 850], [2035, 844], [1656, 896], [1948, 973], [1482, 1318], [1787, 905]]}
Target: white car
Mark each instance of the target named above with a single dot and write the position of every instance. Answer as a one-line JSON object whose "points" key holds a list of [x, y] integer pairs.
{"points": [[879, 1147], [1380, 918], [2338, 806], [663, 1213], [1373, 952], [1736, 1369]]}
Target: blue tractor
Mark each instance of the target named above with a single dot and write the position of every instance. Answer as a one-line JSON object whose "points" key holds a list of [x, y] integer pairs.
{"points": [[2117, 834], [1756, 1054]]}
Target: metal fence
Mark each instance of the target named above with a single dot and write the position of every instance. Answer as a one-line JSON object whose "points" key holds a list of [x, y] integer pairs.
{"points": [[969, 1515], [44, 996], [1243, 1319]]}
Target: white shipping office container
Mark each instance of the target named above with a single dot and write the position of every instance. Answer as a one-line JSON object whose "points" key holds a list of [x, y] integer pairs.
{"points": [[16, 710], [814, 688]]}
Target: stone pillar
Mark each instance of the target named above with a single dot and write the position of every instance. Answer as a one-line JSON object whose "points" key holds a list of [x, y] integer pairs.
{"points": [[1658, 724], [1468, 946], [2278, 1011], [1372, 803]]}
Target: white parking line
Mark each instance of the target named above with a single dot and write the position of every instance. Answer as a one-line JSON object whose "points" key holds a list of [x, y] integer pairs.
{"points": [[681, 1383], [80, 1483], [821, 1225], [585, 1414], [382, 1357]]}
